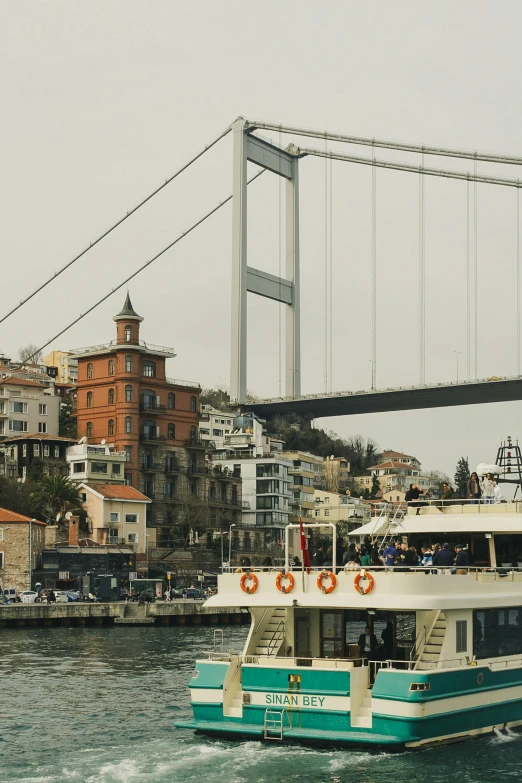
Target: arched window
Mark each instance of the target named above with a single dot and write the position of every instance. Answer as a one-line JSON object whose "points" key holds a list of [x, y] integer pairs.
{"points": [[171, 431], [149, 369], [128, 423], [89, 399], [111, 366], [89, 429], [172, 400], [128, 364], [128, 334], [111, 396], [90, 370], [111, 427], [193, 404], [193, 434], [128, 393]]}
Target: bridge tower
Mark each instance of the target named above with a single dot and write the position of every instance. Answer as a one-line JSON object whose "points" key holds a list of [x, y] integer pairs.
{"points": [[245, 279]]}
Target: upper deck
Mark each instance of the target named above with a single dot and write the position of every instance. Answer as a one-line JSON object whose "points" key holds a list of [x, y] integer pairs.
{"points": [[494, 580]]}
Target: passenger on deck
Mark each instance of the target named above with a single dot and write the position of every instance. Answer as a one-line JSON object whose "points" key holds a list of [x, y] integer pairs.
{"points": [[474, 491], [487, 485], [412, 497], [427, 556], [387, 640], [376, 559], [390, 555], [461, 560], [447, 493], [318, 557], [267, 562], [443, 558], [366, 559], [407, 557], [367, 643], [296, 563]]}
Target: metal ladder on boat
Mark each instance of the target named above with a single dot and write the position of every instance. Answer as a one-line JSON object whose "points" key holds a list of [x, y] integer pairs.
{"points": [[273, 726], [392, 533]]}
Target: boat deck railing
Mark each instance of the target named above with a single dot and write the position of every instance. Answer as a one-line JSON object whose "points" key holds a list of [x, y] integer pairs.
{"points": [[481, 573]]}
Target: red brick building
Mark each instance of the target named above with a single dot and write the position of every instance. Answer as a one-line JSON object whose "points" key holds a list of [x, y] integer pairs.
{"points": [[125, 399]]}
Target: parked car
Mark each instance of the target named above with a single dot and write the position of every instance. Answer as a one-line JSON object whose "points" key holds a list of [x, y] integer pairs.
{"points": [[10, 595], [193, 592], [73, 595], [61, 597], [28, 596]]}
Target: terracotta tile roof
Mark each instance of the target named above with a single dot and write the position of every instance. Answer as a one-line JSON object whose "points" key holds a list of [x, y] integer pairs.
{"points": [[394, 455], [11, 516], [118, 492], [394, 466], [39, 436]]}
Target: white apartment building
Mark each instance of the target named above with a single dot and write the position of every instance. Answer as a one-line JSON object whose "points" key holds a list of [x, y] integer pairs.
{"points": [[214, 426], [350, 512], [95, 464], [265, 491], [66, 364], [28, 407]]}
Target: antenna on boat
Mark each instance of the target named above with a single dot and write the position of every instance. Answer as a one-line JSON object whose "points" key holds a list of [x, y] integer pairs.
{"points": [[509, 457]]}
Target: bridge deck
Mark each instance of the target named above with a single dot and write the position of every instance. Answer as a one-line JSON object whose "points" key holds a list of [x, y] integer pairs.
{"points": [[402, 399]]}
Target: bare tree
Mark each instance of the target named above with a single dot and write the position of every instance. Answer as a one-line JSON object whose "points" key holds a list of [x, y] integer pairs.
{"points": [[30, 353]]}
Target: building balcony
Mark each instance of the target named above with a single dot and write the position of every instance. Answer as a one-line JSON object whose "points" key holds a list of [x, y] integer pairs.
{"points": [[194, 443], [172, 466], [152, 438], [224, 474], [198, 468], [151, 467], [155, 408]]}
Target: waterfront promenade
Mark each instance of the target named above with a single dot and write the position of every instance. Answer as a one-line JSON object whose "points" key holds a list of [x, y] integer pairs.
{"points": [[116, 613]]}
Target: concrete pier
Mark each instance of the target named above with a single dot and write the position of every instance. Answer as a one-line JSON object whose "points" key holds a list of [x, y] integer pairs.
{"points": [[118, 613]]}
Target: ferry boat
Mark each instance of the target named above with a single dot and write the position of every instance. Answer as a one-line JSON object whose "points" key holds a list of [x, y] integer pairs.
{"points": [[451, 667]]}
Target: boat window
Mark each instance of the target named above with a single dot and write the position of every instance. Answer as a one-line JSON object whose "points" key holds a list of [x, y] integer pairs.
{"points": [[461, 628], [497, 632], [508, 550], [332, 642]]}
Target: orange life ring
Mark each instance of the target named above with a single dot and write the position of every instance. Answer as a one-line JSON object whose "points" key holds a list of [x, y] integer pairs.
{"points": [[285, 575], [331, 577], [371, 582], [255, 581]]}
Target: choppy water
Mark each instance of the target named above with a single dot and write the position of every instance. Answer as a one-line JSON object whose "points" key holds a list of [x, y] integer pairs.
{"points": [[97, 706]]}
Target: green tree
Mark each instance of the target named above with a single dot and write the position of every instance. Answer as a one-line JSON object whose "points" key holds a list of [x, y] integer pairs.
{"points": [[15, 496], [461, 478], [67, 425], [36, 469], [54, 495], [376, 487]]}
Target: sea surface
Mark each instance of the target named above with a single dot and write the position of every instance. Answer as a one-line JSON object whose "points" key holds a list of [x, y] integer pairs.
{"points": [[97, 706]]}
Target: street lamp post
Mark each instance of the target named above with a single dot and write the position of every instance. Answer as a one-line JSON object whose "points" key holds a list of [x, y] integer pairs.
{"points": [[230, 542]]}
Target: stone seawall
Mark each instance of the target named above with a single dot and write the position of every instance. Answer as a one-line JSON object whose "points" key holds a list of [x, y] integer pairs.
{"points": [[118, 613]]}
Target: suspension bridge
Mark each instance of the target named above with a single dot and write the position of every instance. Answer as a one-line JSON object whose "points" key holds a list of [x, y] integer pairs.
{"points": [[284, 162]]}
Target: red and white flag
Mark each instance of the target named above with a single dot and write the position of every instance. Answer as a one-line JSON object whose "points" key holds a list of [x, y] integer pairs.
{"points": [[305, 557]]}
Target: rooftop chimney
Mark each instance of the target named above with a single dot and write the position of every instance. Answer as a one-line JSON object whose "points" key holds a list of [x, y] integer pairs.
{"points": [[74, 525]]}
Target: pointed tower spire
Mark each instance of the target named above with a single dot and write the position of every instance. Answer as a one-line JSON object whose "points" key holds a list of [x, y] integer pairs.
{"points": [[128, 312]]}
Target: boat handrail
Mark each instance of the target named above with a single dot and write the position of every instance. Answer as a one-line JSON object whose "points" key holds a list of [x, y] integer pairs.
{"points": [[415, 650], [434, 570]]}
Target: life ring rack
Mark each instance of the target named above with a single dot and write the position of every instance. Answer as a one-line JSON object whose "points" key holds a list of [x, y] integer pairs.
{"points": [[333, 582], [249, 575], [364, 574], [285, 575]]}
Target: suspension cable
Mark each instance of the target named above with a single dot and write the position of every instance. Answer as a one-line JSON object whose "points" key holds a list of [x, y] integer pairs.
{"points": [[395, 166], [331, 275], [475, 268], [518, 282], [115, 225], [468, 284], [141, 268], [280, 272], [422, 282], [326, 269], [445, 152], [374, 276]]}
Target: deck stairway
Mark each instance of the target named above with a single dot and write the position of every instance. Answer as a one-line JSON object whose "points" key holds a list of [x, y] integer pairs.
{"points": [[232, 690], [273, 634], [429, 656], [362, 716]]}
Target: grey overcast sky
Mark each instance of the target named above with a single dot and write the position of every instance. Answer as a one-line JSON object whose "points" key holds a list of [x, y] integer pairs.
{"points": [[102, 100]]}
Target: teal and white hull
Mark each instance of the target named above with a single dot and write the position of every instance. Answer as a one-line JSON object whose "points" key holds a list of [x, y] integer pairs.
{"points": [[330, 706]]}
